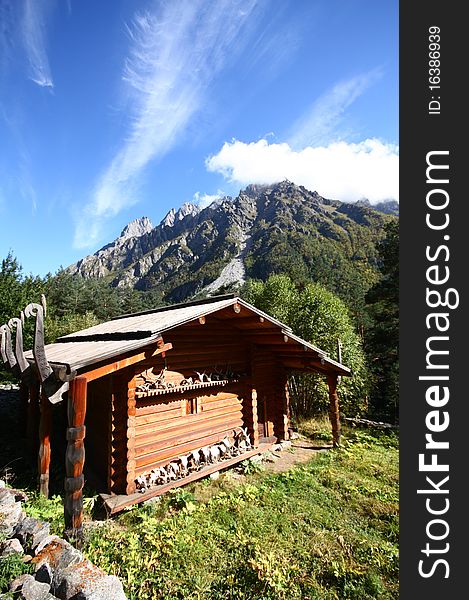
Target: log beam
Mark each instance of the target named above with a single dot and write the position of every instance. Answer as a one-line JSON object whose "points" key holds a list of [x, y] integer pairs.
{"points": [[75, 460], [334, 415]]}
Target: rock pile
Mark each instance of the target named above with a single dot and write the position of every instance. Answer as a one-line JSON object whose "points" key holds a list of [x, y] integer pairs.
{"points": [[60, 570]]}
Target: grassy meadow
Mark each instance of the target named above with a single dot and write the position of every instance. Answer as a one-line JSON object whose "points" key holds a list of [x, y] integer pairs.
{"points": [[323, 530]]}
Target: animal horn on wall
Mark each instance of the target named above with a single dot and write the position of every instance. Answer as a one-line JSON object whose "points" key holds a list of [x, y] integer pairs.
{"points": [[52, 387]]}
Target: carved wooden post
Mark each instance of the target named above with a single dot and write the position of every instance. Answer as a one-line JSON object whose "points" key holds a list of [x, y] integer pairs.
{"points": [[43, 464], [334, 409], [74, 460]]}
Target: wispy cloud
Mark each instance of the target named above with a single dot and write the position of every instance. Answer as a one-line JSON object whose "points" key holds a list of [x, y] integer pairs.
{"points": [[176, 51], [343, 171], [204, 200], [34, 40], [317, 125]]}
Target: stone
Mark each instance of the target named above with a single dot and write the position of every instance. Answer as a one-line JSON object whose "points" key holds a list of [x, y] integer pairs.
{"points": [[215, 476], [286, 444], [31, 532], [2, 484], [10, 516], [6, 497], [34, 590], [59, 556], [85, 581], [18, 583], [11, 546], [47, 540]]}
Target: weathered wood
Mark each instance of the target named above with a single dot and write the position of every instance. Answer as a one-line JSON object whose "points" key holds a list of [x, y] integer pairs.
{"points": [[52, 387], [8, 356], [23, 364], [75, 459], [45, 428], [334, 415], [118, 365]]}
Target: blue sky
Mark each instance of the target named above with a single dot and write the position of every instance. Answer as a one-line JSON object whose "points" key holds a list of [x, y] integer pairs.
{"points": [[117, 109]]}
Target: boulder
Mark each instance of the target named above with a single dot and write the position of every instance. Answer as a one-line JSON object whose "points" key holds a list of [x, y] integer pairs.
{"points": [[31, 532], [26, 587], [11, 546], [55, 557], [10, 515], [85, 581]]}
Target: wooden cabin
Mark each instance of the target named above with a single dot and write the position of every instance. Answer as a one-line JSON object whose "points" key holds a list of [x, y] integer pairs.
{"points": [[157, 389]]}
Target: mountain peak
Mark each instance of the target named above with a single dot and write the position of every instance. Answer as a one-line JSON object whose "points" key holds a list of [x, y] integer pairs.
{"points": [[136, 228], [173, 215]]}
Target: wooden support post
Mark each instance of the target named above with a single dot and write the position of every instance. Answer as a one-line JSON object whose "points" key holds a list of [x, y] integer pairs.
{"points": [[283, 420], [45, 427], [334, 409], [250, 419], [131, 413], [74, 460], [32, 425]]}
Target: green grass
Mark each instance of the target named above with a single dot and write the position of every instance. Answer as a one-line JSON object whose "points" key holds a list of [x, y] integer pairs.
{"points": [[321, 531]]}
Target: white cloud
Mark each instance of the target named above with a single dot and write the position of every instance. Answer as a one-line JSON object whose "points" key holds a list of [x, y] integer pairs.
{"points": [[176, 52], [204, 200], [33, 27], [342, 171], [315, 127]]}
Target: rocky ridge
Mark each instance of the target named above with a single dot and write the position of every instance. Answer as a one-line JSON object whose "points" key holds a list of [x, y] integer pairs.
{"points": [[204, 251]]}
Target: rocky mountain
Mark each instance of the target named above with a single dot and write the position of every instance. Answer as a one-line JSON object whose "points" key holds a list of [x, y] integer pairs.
{"points": [[264, 230]]}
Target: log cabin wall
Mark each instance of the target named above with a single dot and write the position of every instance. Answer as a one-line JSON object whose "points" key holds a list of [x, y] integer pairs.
{"points": [[169, 425]]}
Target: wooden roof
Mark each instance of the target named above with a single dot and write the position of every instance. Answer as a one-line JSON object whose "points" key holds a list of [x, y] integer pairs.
{"points": [[82, 350]]}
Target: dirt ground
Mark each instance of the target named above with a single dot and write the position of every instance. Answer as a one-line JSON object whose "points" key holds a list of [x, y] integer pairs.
{"points": [[302, 450]]}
